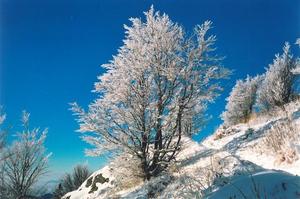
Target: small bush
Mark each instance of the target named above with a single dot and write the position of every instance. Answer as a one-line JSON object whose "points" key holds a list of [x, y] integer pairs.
{"points": [[224, 131], [127, 171], [281, 139], [288, 156]]}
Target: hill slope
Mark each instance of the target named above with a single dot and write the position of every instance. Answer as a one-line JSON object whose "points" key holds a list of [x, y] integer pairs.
{"points": [[259, 159]]}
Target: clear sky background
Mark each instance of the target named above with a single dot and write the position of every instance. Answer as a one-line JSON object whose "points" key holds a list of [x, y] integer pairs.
{"points": [[51, 52]]}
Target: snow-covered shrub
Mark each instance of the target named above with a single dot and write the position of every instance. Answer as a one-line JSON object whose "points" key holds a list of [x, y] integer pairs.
{"points": [[202, 180], [127, 172], [289, 155], [276, 88], [206, 179], [157, 186], [240, 101], [153, 188], [280, 140], [184, 186], [224, 131]]}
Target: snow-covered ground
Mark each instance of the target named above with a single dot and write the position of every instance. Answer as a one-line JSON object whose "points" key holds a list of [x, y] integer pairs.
{"points": [[91, 188], [234, 165], [265, 184]]}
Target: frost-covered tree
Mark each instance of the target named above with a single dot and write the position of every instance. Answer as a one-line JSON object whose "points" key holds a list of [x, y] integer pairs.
{"points": [[3, 190], [241, 101], [298, 42], [2, 134], [26, 161], [296, 70], [153, 92], [276, 89]]}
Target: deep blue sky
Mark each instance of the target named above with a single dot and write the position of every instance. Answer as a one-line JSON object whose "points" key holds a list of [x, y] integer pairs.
{"points": [[51, 52]]}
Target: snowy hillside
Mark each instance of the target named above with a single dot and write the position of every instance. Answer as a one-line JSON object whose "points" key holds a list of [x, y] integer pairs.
{"points": [[234, 162]]}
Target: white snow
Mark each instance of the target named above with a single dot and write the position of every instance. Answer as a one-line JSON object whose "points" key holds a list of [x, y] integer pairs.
{"points": [[219, 168], [83, 191], [266, 184]]}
